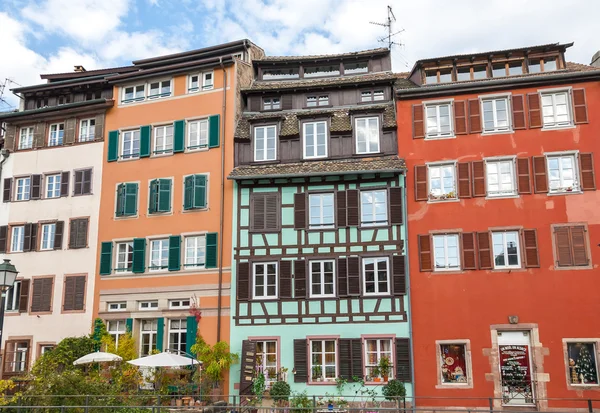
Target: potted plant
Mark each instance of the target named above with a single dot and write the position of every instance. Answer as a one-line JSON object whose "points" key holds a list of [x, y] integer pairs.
{"points": [[280, 392], [317, 373], [282, 374], [376, 374], [394, 390], [384, 367]]}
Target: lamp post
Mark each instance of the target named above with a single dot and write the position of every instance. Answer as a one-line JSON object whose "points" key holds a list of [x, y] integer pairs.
{"points": [[8, 276]]}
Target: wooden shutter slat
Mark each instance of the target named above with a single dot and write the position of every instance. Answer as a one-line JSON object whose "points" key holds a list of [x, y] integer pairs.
{"points": [[418, 122], [272, 210], [421, 193], [300, 210], [248, 366], [58, 235], [78, 183], [535, 112], [87, 182], [460, 117], [73, 228], [485, 251], [464, 180], [27, 237], [474, 116], [34, 234], [540, 175], [24, 297], [350, 355], [82, 232], [64, 184], [36, 187], [532, 257], [99, 127], [586, 170], [478, 173], [300, 279], [243, 281], [403, 363], [3, 238], [396, 212], [469, 260], [342, 277], [353, 276], [562, 240], [579, 106], [257, 202], [7, 190], [340, 200], [523, 176], [80, 282], [399, 274], [301, 360], [425, 258], [518, 112], [69, 296], [285, 279], [578, 242], [352, 204]]}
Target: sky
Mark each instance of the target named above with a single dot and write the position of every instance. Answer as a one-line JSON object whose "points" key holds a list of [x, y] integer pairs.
{"points": [[51, 36]]}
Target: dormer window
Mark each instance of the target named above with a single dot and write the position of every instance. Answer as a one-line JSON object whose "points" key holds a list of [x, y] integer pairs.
{"points": [[356, 68], [321, 71], [280, 74], [546, 64], [433, 76], [160, 89], [271, 104], [502, 69], [317, 100], [133, 93], [372, 95]]}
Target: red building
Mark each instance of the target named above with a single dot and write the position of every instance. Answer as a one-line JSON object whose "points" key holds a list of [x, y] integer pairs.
{"points": [[504, 227]]}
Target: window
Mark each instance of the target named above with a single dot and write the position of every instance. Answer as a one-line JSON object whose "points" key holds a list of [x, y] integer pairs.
{"points": [[53, 186], [500, 177], [367, 135], [453, 359], [23, 189], [193, 83], [126, 200], [74, 293], [148, 305], [117, 306], [116, 328], [547, 64], [431, 77], [195, 251], [499, 69], [124, 257], [160, 89], [571, 247], [207, 80], [555, 109], [373, 207], [445, 75], [179, 304], [356, 68], [583, 367], [16, 356], [495, 115], [148, 330], [317, 100], [17, 239], [266, 359], [159, 254], [198, 134], [265, 142], [131, 144], [57, 132], [446, 252], [322, 279], [323, 360], [271, 104], [442, 182], [163, 139], [280, 74], [178, 335], [133, 94], [463, 73], [45, 348], [375, 350], [439, 120], [160, 196], [321, 210], [515, 68], [376, 276], [265, 280], [83, 182], [315, 139], [372, 95], [12, 297], [506, 249], [26, 138], [48, 232], [195, 192], [321, 71], [562, 173], [479, 72], [87, 130]]}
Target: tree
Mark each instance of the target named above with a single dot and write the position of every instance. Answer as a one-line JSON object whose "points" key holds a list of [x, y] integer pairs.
{"points": [[215, 359], [586, 367]]}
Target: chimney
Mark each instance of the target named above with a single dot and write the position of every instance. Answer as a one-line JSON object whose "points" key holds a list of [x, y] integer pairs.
{"points": [[596, 59], [79, 68]]}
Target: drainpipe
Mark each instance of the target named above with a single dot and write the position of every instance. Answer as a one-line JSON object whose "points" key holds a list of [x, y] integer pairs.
{"points": [[5, 154], [222, 212]]}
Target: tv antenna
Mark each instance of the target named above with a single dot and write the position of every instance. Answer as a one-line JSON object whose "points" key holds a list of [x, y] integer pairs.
{"points": [[3, 87], [391, 19]]}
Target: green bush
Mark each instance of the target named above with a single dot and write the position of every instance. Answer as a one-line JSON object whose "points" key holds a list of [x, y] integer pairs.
{"points": [[300, 403], [394, 390], [280, 391]]}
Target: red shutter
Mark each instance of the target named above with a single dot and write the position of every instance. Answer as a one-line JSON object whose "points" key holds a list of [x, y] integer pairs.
{"points": [[425, 261], [485, 252], [579, 106], [535, 112], [586, 169], [353, 276], [460, 117], [468, 251], [300, 210], [352, 207], [540, 176], [421, 183], [464, 180], [523, 176], [243, 281], [418, 122], [518, 112], [396, 205], [474, 116], [478, 178], [340, 200], [578, 241], [532, 256]]}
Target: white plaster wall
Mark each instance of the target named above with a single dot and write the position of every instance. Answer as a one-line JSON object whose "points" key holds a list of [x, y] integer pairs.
{"points": [[56, 326]]}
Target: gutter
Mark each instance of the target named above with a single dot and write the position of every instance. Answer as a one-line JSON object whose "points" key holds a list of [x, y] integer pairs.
{"points": [[5, 154], [47, 109], [222, 196], [378, 171]]}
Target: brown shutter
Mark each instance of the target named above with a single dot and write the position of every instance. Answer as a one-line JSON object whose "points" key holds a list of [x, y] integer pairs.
{"points": [[64, 184], [403, 367], [272, 210], [532, 256], [255, 103], [425, 258], [70, 126], [78, 233], [562, 240], [286, 102], [578, 241], [41, 298], [7, 190], [87, 182], [27, 238], [464, 180], [340, 200], [36, 187], [39, 135], [352, 207], [301, 360], [257, 201], [285, 279], [469, 261], [399, 274], [9, 137], [58, 235], [99, 127], [342, 277], [421, 183], [586, 169], [523, 176], [3, 238], [478, 178], [474, 116], [69, 295], [535, 112], [353, 276], [460, 117], [248, 367], [579, 106], [350, 356], [78, 183], [73, 228], [300, 210], [485, 251], [518, 112], [300, 279], [396, 205], [79, 300], [540, 176], [418, 122], [243, 281], [34, 233], [24, 298]]}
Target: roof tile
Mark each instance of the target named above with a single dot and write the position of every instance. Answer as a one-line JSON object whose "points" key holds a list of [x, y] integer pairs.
{"points": [[262, 85]]}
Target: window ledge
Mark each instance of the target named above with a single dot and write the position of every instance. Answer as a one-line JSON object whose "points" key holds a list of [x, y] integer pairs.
{"points": [[439, 138], [121, 159], [192, 210], [159, 214], [508, 270], [441, 201], [162, 154], [511, 196], [453, 272], [550, 128], [322, 383], [126, 217], [458, 386], [565, 193], [497, 132], [192, 150], [576, 268]]}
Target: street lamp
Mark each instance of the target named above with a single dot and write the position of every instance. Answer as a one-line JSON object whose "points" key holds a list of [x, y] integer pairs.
{"points": [[8, 276]]}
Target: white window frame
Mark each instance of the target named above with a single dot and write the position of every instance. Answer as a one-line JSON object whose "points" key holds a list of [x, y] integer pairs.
{"points": [[320, 99], [506, 265], [201, 135], [438, 134], [128, 251], [190, 81], [373, 222], [20, 356], [321, 278], [180, 332], [167, 145], [161, 87], [494, 99], [148, 305], [28, 142], [270, 104], [56, 184], [576, 172], [130, 154], [199, 243], [553, 93], [594, 343], [261, 358], [322, 354], [14, 299], [315, 125], [48, 232], [135, 91], [206, 85], [163, 244], [17, 238], [442, 196], [88, 136], [152, 335], [54, 136], [23, 191], [116, 306], [447, 266], [367, 121], [499, 193], [379, 353], [321, 224], [375, 261], [44, 348], [265, 295], [467, 355], [117, 333], [179, 304], [264, 150]]}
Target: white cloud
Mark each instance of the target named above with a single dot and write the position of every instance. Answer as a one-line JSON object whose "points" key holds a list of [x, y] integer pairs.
{"points": [[138, 45]]}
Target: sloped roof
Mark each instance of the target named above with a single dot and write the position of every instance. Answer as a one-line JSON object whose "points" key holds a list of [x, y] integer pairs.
{"points": [[358, 54], [267, 85]]}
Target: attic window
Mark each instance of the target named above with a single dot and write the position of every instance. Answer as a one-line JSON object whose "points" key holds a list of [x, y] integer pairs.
{"points": [[433, 76], [546, 64], [279, 74], [356, 68], [322, 71]]}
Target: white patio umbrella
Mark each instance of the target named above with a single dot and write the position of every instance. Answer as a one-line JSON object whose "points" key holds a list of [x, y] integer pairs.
{"points": [[97, 357], [164, 360]]}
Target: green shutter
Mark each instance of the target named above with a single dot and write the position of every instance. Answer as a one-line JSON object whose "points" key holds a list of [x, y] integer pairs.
{"points": [[190, 334], [174, 252], [178, 136], [213, 131], [188, 192], [153, 196], [211, 250], [199, 191], [113, 145], [139, 255], [160, 333], [144, 141], [120, 200], [164, 195], [129, 325], [131, 193], [106, 258]]}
